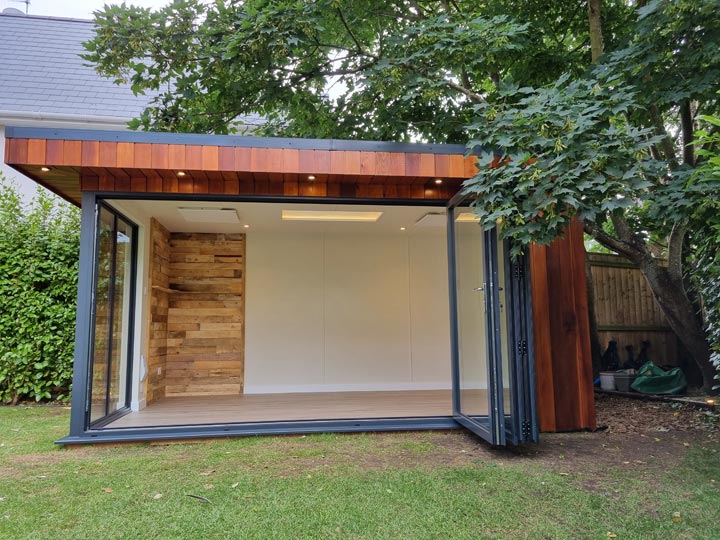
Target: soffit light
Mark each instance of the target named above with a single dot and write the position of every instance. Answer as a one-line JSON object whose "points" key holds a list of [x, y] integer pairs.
{"points": [[329, 215], [181, 173], [438, 181], [467, 217], [209, 215], [311, 177], [45, 169]]}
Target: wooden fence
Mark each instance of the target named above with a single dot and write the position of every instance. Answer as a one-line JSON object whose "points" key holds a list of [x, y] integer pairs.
{"points": [[626, 311]]}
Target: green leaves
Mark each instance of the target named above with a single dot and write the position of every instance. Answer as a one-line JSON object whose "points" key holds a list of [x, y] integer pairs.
{"points": [[560, 151], [377, 69], [38, 285]]}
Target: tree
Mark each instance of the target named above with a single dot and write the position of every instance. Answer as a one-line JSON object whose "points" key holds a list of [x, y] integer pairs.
{"points": [[615, 147], [599, 143], [706, 221], [379, 69]]}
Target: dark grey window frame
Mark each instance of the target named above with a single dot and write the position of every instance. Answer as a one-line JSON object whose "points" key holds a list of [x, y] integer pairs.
{"points": [[82, 433]]}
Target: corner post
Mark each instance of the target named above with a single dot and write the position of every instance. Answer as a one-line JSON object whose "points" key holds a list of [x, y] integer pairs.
{"points": [[83, 319]]}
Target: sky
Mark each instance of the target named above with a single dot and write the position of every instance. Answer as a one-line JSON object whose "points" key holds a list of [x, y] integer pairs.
{"points": [[79, 9]]}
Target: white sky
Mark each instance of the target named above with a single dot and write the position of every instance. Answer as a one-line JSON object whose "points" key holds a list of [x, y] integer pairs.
{"points": [[79, 9]]}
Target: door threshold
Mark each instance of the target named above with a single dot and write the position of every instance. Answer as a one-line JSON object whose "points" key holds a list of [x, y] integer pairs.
{"points": [[208, 431]]}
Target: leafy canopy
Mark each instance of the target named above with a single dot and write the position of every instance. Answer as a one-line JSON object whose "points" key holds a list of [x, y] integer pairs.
{"points": [[377, 69], [606, 144]]}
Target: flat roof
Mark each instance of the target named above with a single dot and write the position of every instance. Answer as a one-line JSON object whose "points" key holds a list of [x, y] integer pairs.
{"points": [[154, 137], [69, 161]]}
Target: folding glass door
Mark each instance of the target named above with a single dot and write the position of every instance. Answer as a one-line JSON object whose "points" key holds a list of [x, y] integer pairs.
{"points": [[115, 246], [491, 331]]}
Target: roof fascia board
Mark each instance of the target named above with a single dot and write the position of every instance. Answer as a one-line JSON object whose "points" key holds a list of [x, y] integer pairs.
{"points": [[229, 140]]}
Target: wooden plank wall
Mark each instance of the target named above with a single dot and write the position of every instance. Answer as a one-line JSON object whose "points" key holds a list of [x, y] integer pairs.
{"points": [[158, 316], [564, 383], [626, 310], [206, 314]]}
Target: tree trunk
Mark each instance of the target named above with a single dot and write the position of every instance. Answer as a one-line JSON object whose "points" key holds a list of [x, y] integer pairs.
{"points": [[595, 345], [670, 295], [596, 45], [596, 41]]}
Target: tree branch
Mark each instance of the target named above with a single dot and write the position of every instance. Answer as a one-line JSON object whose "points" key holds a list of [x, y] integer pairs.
{"points": [[351, 33], [688, 129], [621, 227], [474, 96], [609, 241], [675, 245], [667, 145]]}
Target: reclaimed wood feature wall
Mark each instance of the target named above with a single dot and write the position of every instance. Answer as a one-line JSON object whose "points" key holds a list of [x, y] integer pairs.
{"points": [[626, 310], [564, 383], [158, 317], [206, 315], [77, 166]]}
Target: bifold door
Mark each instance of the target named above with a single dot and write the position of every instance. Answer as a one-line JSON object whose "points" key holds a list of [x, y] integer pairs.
{"points": [[491, 332], [111, 342]]}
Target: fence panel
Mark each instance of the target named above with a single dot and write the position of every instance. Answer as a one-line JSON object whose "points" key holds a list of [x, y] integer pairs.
{"points": [[626, 311]]}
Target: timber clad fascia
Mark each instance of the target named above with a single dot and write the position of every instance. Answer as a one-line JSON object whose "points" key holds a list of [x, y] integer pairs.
{"points": [[171, 157], [150, 162]]}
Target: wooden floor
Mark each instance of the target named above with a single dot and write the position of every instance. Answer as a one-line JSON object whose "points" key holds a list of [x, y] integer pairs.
{"points": [[302, 406]]}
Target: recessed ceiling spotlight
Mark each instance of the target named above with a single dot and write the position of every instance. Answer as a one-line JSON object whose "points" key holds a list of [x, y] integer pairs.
{"points": [[402, 228], [246, 226], [311, 177], [438, 181], [181, 173], [45, 169]]}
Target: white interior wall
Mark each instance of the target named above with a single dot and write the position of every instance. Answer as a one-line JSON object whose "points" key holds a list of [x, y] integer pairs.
{"points": [[328, 311], [471, 306]]}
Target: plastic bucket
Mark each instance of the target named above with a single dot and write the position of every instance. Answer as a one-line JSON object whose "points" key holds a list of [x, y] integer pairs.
{"points": [[624, 380], [607, 380]]}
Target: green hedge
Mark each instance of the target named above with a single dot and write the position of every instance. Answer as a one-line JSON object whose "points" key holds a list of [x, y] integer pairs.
{"points": [[39, 244]]}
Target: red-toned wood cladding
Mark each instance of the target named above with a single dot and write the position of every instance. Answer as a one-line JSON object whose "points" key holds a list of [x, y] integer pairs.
{"points": [[212, 158], [563, 363]]}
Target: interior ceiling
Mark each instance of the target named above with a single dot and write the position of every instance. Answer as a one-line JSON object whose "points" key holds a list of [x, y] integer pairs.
{"points": [[265, 217]]}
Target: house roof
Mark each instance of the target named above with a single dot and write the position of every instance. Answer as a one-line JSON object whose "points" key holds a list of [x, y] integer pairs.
{"points": [[41, 71]]}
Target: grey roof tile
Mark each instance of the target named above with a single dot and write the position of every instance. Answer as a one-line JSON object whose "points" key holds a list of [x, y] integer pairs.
{"points": [[41, 70]]}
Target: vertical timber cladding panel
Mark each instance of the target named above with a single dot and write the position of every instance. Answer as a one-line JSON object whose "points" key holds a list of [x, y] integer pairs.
{"points": [[562, 346], [159, 284], [206, 315]]}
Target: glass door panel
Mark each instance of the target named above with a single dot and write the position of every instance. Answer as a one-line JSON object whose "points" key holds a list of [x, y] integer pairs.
{"points": [[121, 317], [472, 320], [103, 310], [114, 283], [493, 378], [476, 401]]}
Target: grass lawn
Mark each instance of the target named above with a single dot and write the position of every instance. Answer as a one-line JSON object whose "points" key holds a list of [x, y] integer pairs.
{"points": [[383, 486]]}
